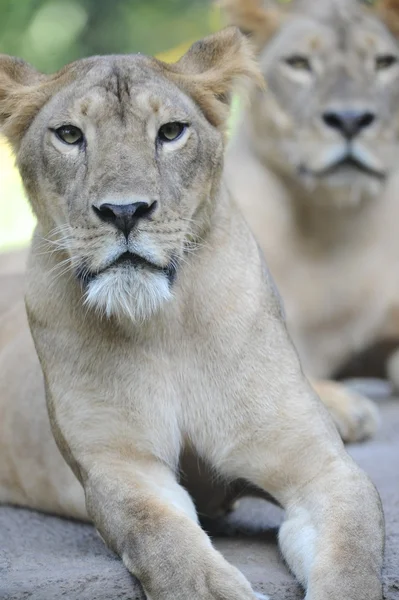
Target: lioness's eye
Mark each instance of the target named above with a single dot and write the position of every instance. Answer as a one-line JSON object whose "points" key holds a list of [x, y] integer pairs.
{"points": [[69, 134], [171, 131], [385, 61], [298, 62]]}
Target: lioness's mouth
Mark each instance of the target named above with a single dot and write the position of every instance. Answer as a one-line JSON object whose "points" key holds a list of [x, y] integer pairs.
{"points": [[349, 162], [128, 259]]}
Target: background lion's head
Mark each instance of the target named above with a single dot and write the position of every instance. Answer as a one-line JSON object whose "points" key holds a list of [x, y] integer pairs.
{"points": [[329, 114]]}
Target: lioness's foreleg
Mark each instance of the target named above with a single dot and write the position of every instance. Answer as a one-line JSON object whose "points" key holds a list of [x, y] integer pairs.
{"points": [[150, 521], [333, 535]]}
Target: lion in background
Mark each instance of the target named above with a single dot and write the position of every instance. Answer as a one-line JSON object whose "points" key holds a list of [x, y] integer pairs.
{"points": [[313, 166]]}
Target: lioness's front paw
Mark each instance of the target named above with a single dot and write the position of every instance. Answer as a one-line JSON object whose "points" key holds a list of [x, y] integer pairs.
{"points": [[221, 581], [355, 416], [226, 583]]}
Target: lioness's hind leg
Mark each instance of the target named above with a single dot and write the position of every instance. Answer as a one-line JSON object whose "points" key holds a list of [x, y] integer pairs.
{"points": [[355, 416], [33, 473]]}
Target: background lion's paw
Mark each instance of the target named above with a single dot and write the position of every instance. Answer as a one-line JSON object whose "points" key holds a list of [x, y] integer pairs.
{"points": [[356, 417]]}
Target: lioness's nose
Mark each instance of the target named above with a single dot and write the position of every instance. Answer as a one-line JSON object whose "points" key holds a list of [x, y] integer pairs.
{"points": [[124, 216], [349, 122]]}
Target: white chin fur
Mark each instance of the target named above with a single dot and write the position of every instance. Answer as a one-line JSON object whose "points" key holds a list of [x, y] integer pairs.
{"points": [[136, 294]]}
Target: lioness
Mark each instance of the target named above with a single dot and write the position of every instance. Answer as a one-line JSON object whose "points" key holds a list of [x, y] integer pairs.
{"points": [[160, 333], [312, 165]]}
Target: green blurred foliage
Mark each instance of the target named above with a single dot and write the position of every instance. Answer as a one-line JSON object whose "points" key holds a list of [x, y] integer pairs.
{"points": [[51, 33]]}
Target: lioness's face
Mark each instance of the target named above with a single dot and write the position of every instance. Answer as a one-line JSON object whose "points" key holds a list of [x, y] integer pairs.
{"points": [[122, 161], [121, 157], [330, 113]]}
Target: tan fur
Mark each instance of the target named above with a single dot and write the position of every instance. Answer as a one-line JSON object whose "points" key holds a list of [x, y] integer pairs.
{"points": [[208, 71], [388, 10], [208, 371], [253, 18], [330, 240]]}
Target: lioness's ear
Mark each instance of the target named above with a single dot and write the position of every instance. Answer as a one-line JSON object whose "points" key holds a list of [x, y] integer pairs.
{"points": [[259, 19], [210, 68], [388, 10], [21, 97]]}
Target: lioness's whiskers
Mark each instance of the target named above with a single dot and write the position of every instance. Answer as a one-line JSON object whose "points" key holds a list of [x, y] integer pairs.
{"points": [[62, 263], [66, 269]]}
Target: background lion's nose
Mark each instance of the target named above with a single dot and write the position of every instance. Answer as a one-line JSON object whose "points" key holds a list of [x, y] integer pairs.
{"points": [[124, 216], [349, 122]]}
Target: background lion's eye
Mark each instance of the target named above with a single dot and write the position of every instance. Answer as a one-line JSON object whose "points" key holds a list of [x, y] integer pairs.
{"points": [[385, 61], [171, 131], [298, 62], [69, 134]]}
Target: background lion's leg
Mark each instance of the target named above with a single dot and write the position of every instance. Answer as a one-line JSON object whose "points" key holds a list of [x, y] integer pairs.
{"points": [[355, 416]]}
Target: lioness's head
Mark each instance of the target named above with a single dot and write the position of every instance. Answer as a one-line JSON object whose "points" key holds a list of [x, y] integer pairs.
{"points": [[330, 114], [121, 158]]}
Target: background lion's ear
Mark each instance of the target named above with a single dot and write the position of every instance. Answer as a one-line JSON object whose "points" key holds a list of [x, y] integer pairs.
{"points": [[21, 97], [258, 19], [388, 10], [211, 67]]}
